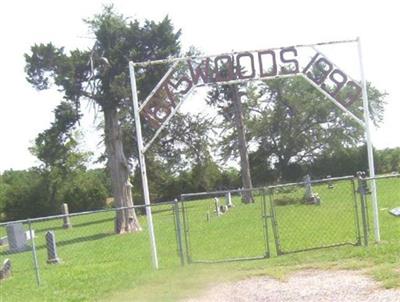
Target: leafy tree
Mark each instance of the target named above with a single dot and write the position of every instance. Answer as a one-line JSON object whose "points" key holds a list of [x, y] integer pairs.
{"points": [[56, 148], [388, 160], [3, 189], [100, 75], [296, 123], [86, 191], [183, 160], [228, 100], [25, 195], [344, 161]]}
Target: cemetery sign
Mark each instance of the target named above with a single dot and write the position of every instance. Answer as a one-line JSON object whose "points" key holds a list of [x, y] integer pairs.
{"points": [[187, 73], [242, 67]]}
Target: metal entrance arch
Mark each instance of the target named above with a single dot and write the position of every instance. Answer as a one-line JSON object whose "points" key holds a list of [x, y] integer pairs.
{"points": [[179, 83]]}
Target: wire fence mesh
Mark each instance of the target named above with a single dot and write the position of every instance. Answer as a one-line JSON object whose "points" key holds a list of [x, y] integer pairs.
{"points": [[388, 192], [315, 215], [90, 243], [201, 227], [220, 227]]}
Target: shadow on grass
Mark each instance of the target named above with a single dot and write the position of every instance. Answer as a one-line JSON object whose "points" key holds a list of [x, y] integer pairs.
{"points": [[79, 240], [84, 239], [64, 242], [77, 225]]}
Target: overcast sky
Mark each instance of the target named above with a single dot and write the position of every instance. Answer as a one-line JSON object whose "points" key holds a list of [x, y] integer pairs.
{"points": [[213, 27]]}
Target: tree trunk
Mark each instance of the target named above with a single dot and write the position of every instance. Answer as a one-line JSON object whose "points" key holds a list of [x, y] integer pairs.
{"points": [[125, 220], [247, 196]]}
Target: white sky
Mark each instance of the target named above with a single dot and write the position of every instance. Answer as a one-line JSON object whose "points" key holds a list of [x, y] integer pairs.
{"points": [[213, 27]]}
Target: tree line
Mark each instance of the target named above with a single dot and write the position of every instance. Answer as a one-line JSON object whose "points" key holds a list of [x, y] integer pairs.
{"points": [[28, 193]]}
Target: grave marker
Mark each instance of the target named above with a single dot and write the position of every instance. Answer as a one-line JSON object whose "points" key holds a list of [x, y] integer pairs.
{"points": [[216, 203], [66, 218], [16, 237], [228, 200], [52, 257], [5, 271]]}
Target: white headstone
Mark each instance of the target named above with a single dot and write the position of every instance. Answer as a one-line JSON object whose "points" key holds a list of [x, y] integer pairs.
{"points": [[228, 199], [309, 193], [216, 203], [66, 219], [28, 235]]}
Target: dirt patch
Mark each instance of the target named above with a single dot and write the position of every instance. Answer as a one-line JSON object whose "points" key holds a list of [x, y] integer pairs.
{"points": [[309, 285]]}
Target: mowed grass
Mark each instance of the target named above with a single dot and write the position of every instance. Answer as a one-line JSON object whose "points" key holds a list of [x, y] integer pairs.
{"points": [[97, 264]]}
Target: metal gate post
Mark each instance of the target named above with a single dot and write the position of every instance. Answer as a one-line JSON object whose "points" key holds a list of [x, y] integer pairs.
{"points": [[34, 255], [274, 223], [364, 213], [186, 230], [178, 231], [356, 218], [265, 216]]}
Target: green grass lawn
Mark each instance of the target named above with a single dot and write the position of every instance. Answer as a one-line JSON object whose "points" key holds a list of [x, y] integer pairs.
{"points": [[97, 264]]}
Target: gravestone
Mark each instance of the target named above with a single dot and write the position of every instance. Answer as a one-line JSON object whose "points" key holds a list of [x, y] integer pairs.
{"points": [[29, 235], [4, 239], [309, 192], [395, 212], [16, 237], [223, 209], [216, 204], [309, 196], [52, 257], [330, 183], [228, 200], [5, 270], [66, 219]]}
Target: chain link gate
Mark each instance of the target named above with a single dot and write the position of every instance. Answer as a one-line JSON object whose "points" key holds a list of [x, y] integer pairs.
{"points": [[208, 218], [330, 218], [335, 216]]}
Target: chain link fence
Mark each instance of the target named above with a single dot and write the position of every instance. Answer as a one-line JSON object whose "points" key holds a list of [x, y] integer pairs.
{"points": [[201, 227], [43, 250], [317, 214], [218, 226], [388, 193]]}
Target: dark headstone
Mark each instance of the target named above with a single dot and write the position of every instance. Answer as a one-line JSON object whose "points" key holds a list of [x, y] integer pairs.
{"points": [[52, 257], [5, 270], [223, 209]]}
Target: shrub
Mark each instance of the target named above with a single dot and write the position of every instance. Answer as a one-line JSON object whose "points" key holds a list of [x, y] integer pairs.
{"points": [[85, 192]]}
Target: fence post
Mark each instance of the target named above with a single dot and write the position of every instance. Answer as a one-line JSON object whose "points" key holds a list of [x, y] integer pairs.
{"points": [[356, 213], [274, 223], [179, 231], [35, 261], [266, 215], [363, 192], [186, 230]]}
